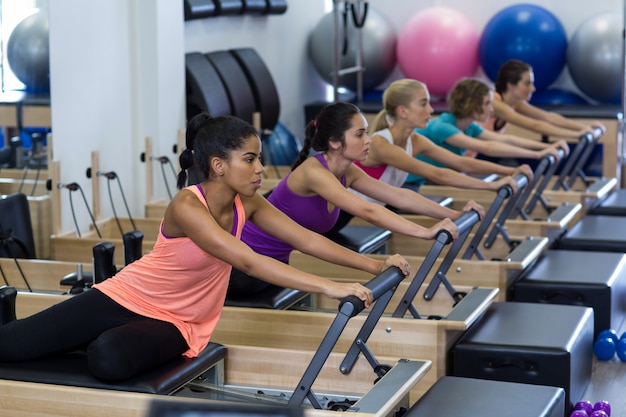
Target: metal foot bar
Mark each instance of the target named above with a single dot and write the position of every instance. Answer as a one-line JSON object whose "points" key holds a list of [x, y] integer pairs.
{"points": [[440, 275], [382, 287], [503, 193], [498, 226], [538, 191]]}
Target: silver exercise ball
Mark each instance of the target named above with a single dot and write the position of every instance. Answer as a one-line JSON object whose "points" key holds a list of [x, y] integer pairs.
{"points": [[594, 57], [28, 52], [379, 49]]}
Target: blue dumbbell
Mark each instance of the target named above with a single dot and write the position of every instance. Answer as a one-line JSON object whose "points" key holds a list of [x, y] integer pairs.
{"points": [[605, 345]]}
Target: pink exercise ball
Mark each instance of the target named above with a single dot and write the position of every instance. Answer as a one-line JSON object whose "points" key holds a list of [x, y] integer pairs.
{"points": [[438, 46]]}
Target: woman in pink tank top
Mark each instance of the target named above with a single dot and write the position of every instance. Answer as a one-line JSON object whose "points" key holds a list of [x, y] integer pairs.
{"points": [[168, 302]]}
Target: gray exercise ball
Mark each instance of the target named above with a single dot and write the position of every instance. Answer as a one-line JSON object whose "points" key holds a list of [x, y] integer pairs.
{"points": [[28, 52], [379, 49], [594, 57]]}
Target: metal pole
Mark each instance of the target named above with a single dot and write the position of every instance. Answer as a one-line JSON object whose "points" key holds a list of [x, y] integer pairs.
{"points": [[622, 128], [336, 54], [359, 58]]}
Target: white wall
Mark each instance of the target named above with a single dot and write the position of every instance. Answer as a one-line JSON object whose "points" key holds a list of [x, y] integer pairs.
{"points": [[117, 73], [117, 76], [282, 40]]}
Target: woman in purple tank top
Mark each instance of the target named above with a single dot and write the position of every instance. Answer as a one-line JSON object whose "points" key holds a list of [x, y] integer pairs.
{"points": [[317, 188]]}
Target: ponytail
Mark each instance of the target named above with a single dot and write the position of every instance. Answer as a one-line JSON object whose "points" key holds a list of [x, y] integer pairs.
{"points": [[309, 132], [185, 161], [380, 121]]}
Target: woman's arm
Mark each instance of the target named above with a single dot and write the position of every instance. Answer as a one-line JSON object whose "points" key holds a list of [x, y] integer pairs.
{"points": [[468, 165], [384, 152], [321, 182], [522, 119], [187, 217], [525, 142], [274, 222], [492, 148], [556, 119], [409, 200]]}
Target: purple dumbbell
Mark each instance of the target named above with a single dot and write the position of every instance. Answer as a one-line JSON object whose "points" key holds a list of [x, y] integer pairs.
{"points": [[603, 406], [585, 406], [598, 413], [579, 413]]}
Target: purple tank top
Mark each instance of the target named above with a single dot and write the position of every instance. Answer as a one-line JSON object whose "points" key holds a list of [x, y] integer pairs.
{"points": [[310, 212]]}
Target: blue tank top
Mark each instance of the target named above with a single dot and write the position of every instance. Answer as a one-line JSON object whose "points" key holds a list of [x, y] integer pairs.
{"points": [[310, 212]]}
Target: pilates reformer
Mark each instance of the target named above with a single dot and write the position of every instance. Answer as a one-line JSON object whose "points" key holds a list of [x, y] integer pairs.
{"points": [[250, 326], [601, 228], [572, 181], [297, 330], [500, 272], [587, 193], [406, 302], [585, 266], [388, 394], [561, 217], [505, 221]]}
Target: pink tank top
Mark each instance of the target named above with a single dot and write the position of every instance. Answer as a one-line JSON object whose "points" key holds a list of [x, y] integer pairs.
{"points": [[177, 282]]}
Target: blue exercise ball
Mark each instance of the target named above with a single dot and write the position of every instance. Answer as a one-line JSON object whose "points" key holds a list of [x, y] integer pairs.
{"points": [[528, 33], [28, 52], [594, 57], [281, 147], [556, 96]]}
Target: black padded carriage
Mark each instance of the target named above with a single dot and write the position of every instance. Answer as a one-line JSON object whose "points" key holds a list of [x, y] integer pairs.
{"points": [[71, 369], [613, 205], [456, 396], [584, 278], [596, 233], [540, 344]]}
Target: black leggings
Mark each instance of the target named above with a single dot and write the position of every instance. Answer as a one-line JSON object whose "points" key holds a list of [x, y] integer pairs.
{"points": [[119, 343]]}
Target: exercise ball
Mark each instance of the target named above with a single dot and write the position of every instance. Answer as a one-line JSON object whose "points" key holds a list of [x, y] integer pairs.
{"points": [[528, 33], [556, 96], [281, 147], [28, 52], [379, 49], [594, 57], [438, 46]]}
